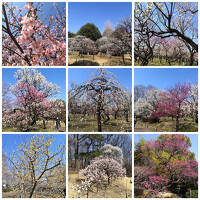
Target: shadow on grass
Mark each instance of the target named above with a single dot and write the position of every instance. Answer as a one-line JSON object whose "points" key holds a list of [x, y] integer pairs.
{"points": [[85, 63], [189, 127], [79, 125], [110, 124]]}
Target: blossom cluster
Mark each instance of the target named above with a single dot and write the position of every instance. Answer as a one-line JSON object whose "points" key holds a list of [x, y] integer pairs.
{"points": [[36, 43]]}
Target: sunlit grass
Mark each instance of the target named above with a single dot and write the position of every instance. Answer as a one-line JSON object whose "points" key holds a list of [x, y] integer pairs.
{"points": [[50, 127], [117, 189], [89, 124], [156, 62], [102, 60], [166, 125]]}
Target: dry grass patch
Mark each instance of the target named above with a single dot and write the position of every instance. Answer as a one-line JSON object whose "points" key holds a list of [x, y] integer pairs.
{"points": [[166, 125], [117, 189], [102, 60], [50, 127], [89, 124]]}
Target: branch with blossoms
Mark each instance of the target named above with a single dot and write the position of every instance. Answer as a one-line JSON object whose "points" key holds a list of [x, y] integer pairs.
{"points": [[31, 101], [100, 92], [28, 40], [166, 21], [170, 165]]}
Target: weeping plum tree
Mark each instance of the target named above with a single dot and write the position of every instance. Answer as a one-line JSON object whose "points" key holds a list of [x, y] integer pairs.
{"points": [[101, 89]]}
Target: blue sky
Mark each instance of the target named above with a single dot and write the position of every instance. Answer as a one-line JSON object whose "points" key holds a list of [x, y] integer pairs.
{"points": [[176, 14], [164, 78], [47, 9], [55, 75], [79, 76], [193, 138], [10, 142], [98, 13]]}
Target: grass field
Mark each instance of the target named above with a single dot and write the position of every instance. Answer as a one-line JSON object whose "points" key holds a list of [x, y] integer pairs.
{"points": [[166, 125], [156, 62], [117, 189], [101, 60], [89, 124], [20, 194], [50, 127]]}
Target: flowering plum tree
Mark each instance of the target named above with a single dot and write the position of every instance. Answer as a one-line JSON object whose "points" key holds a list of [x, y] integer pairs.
{"points": [[193, 102], [121, 37], [54, 109], [30, 40], [83, 45], [144, 107], [177, 102], [169, 164], [32, 92], [117, 42], [172, 21], [171, 103], [103, 168], [184, 173], [33, 160], [107, 166], [106, 46], [172, 147], [99, 91], [110, 151], [148, 178]]}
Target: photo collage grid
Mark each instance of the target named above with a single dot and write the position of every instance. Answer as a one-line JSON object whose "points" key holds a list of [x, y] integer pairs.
{"points": [[99, 99]]}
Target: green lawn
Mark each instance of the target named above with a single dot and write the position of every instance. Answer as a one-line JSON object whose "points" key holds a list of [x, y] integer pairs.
{"points": [[156, 62], [50, 127], [166, 125], [89, 124]]}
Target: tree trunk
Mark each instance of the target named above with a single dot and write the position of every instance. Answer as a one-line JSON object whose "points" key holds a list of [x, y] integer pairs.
{"points": [[76, 149], [126, 115], [191, 59], [33, 189], [145, 61], [33, 122], [108, 118], [44, 124], [177, 123], [196, 116], [116, 112], [108, 180], [99, 118], [123, 58]]}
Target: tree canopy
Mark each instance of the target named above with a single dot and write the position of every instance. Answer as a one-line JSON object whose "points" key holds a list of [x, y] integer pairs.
{"points": [[90, 31]]}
